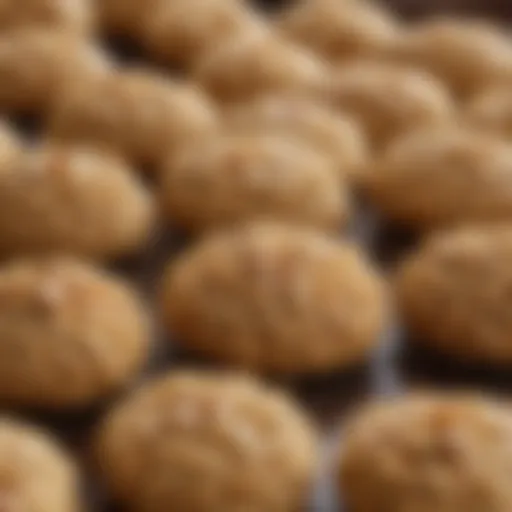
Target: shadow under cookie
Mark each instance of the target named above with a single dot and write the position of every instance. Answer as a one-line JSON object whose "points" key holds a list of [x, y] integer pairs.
{"points": [[392, 242], [336, 386], [423, 366], [331, 395], [127, 52], [29, 125]]}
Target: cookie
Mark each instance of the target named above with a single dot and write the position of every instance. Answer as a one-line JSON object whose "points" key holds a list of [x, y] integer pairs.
{"points": [[466, 54], [70, 333], [390, 100], [340, 30], [208, 443], [72, 199], [243, 67], [180, 32], [77, 16], [37, 473], [312, 122], [36, 64], [256, 297], [428, 452], [238, 178], [491, 110], [453, 293], [429, 179], [142, 115]]}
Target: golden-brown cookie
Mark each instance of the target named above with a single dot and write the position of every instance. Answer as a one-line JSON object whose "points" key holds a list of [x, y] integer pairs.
{"points": [[36, 64], [313, 123], [492, 110], [208, 443], [238, 178], [69, 333], [454, 292], [390, 100], [77, 16], [142, 115], [72, 199], [428, 452], [276, 299], [180, 32], [466, 54], [258, 63], [37, 473], [340, 29], [442, 177]]}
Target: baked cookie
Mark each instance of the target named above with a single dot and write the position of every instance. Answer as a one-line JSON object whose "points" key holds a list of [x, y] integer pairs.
{"points": [[442, 177], [466, 54], [243, 67], [180, 32], [390, 100], [70, 333], [77, 16], [428, 452], [208, 443], [142, 115], [312, 122], [237, 178], [10, 145], [72, 199], [37, 474], [492, 110], [340, 29], [37, 64], [257, 296], [454, 292]]}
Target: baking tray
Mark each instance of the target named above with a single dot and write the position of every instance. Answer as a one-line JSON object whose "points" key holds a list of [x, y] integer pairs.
{"points": [[394, 368]]}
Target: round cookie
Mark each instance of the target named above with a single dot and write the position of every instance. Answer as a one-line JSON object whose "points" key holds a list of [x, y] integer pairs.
{"points": [[73, 15], [180, 32], [428, 452], [256, 64], [336, 136], [466, 54], [37, 474], [256, 297], [237, 178], [70, 333], [340, 29], [208, 443], [142, 115], [492, 110], [454, 294], [72, 199], [436, 178], [10, 145], [37, 64], [390, 100]]}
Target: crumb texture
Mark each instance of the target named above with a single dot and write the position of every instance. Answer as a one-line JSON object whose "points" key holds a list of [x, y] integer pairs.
{"points": [[256, 298], [201, 442], [427, 452]]}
